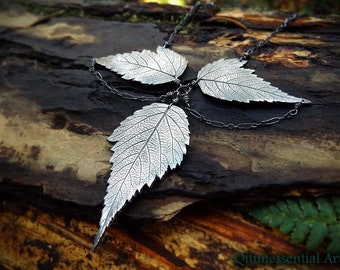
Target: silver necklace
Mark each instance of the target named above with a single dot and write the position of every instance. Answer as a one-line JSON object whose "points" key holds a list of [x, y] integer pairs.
{"points": [[154, 138]]}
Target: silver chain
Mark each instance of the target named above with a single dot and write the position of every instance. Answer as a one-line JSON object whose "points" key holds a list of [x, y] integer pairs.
{"points": [[246, 125], [262, 43], [175, 96], [185, 20], [117, 92]]}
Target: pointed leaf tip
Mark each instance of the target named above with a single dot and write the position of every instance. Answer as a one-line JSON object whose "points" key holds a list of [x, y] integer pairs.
{"points": [[148, 142], [226, 79], [97, 239]]}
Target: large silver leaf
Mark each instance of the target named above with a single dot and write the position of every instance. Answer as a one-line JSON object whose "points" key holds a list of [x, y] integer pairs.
{"points": [[148, 142], [146, 66], [226, 79]]}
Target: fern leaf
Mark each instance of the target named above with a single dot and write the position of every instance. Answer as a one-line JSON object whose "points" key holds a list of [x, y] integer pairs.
{"points": [[294, 208], [336, 203], [334, 235], [309, 221], [327, 212], [318, 233], [287, 225], [300, 232], [309, 210]]}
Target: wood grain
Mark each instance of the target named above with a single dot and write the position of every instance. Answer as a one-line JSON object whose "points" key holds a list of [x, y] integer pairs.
{"points": [[55, 118], [205, 236]]}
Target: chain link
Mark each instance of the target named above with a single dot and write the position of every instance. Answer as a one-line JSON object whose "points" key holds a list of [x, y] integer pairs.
{"points": [[262, 43], [115, 91], [246, 125], [184, 21]]}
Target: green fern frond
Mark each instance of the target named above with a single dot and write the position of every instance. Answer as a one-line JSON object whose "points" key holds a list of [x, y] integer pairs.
{"points": [[310, 221]]}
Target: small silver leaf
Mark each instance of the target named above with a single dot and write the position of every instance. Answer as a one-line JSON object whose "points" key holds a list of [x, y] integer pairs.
{"points": [[147, 67], [226, 79], [148, 142]]}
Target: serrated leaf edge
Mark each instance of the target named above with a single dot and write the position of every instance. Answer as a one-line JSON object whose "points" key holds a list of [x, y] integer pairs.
{"points": [[221, 79], [126, 138], [158, 67]]}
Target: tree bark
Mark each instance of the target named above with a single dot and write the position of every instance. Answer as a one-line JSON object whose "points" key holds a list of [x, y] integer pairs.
{"points": [[55, 118]]}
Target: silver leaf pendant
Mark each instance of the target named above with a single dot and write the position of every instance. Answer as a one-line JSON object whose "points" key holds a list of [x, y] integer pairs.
{"points": [[154, 138], [146, 66], [148, 142], [226, 79]]}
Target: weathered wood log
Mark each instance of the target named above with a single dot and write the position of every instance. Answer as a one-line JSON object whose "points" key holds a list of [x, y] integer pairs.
{"points": [[55, 118], [208, 236]]}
